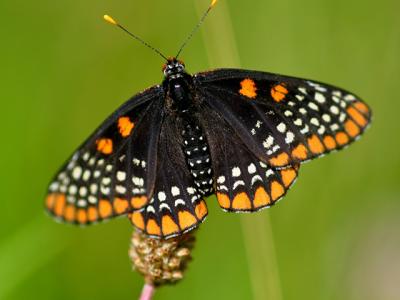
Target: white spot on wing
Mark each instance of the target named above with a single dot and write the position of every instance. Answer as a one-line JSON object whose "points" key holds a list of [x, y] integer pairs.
{"points": [[121, 176], [162, 196], [236, 172], [251, 168], [77, 172], [175, 191], [281, 127]]}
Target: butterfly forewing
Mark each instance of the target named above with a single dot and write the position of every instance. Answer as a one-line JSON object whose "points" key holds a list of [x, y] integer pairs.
{"points": [[284, 120], [113, 172]]}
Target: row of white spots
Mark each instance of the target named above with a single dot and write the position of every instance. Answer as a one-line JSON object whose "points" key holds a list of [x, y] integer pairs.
{"points": [[138, 162], [200, 138], [256, 127], [269, 141], [317, 86]]}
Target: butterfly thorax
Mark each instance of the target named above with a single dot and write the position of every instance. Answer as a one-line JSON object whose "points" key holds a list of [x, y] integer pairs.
{"points": [[178, 87]]}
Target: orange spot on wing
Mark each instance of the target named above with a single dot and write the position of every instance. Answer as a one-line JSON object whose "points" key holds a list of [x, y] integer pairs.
{"points": [[81, 216], [288, 176], [357, 116], [50, 200], [138, 202], [280, 160], [137, 220], [92, 214], [105, 146], [248, 88], [300, 152], [169, 226], [241, 202], [261, 198], [342, 138], [351, 128], [315, 145], [186, 219], [279, 92], [201, 210], [223, 200], [59, 204], [361, 107], [125, 126], [69, 213], [329, 142], [120, 205], [105, 209], [153, 228], [277, 190]]}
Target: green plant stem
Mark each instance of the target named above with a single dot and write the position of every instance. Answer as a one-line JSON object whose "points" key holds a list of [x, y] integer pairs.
{"points": [[259, 242]]}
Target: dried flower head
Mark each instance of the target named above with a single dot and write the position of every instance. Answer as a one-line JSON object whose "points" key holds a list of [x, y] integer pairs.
{"points": [[161, 261]]}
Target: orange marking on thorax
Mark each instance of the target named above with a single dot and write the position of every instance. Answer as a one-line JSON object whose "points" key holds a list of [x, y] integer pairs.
{"points": [[186, 219], [351, 128], [342, 138], [138, 201], [280, 160], [120, 205], [261, 198], [279, 92], [277, 190], [168, 226], [201, 210], [223, 200], [125, 126], [288, 176], [300, 152], [357, 116], [241, 202], [153, 228], [315, 145], [105, 146], [105, 209], [137, 220], [248, 88]]}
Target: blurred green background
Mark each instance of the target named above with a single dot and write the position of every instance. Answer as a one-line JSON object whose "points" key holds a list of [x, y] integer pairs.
{"points": [[63, 70]]}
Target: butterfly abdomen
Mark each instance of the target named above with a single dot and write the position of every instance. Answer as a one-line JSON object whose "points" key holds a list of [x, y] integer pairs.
{"points": [[197, 156]]}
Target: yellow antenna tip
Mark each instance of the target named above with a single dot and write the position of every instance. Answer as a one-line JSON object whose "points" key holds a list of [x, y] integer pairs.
{"points": [[110, 20], [213, 2]]}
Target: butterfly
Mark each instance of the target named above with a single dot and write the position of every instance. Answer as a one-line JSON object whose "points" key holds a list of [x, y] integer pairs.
{"points": [[238, 134]]}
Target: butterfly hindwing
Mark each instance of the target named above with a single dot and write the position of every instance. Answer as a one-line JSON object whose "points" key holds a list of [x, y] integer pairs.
{"points": [[243, 182], [113, 172], [283, 119], [176, 205]]}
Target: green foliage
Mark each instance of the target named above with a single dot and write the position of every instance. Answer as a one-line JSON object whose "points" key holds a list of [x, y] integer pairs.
{"points": [[335, 236]]}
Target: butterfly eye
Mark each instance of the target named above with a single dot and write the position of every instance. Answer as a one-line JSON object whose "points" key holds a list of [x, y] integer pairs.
{"points": [[164, 67]]}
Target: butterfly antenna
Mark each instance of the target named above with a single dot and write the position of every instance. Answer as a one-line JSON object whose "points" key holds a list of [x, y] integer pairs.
{"points": [[213, 2], [112, 21]]}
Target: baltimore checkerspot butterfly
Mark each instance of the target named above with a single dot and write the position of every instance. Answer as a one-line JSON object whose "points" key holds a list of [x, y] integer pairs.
{"points": [[239, 134]]}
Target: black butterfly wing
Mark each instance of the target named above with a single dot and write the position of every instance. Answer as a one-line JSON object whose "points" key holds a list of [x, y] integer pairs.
{"points": [[113, 171], [243, 182], [284, 120], [176, 205]]}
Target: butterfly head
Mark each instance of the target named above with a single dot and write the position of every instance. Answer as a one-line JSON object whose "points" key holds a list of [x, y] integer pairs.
{"points": [[173, 68]]}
